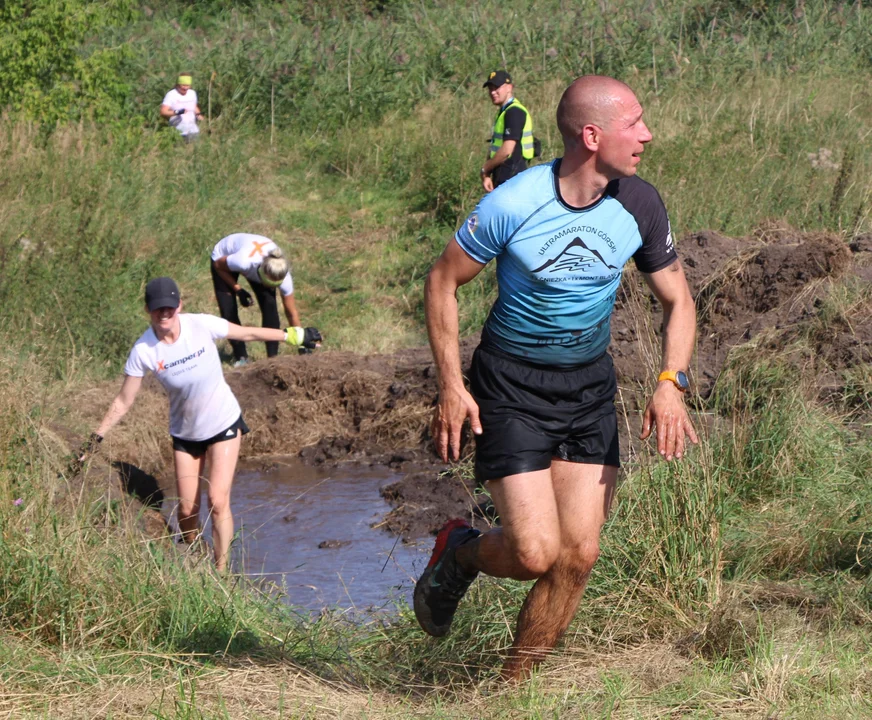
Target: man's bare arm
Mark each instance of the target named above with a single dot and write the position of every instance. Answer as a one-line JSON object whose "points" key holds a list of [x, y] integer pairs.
{"points": [[453, 269], [679, 315], [666, 410], [502, 154]]}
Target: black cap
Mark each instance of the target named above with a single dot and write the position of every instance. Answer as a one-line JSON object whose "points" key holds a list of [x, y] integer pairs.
{"points": [[497, 78], [161, 292]]}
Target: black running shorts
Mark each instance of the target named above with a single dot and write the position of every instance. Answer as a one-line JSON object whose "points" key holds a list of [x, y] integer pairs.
{"points": [[197, 448], [531, 414]]}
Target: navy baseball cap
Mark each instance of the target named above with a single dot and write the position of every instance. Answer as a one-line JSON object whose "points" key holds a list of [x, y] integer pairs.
{"points": [[497, 78], [161, 292]]}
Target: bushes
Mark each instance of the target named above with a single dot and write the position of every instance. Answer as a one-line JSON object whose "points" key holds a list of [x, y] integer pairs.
{"points": [[47, 70]]}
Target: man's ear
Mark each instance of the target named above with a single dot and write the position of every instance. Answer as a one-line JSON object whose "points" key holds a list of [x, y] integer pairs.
{"points": [[590, 136]]}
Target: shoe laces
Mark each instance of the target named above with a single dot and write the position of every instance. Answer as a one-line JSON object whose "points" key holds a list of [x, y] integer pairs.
{"points": [[453, 581]]}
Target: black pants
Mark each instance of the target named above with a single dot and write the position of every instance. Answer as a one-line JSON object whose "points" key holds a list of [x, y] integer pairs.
{"points": [[266, 300], [507, 171]]}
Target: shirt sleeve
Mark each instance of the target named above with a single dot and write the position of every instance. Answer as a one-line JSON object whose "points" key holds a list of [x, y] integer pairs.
{"points": [[657, 250], [168, 99], [217, 327], [486, 231], [287, 286], [514, 126], [135, 367]]}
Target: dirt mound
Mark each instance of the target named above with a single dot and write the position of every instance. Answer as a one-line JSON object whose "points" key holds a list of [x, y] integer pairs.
{"points": [[774, 280], [769, 287], [338, 405], [423, 501], [334, 407], [777, 277]]}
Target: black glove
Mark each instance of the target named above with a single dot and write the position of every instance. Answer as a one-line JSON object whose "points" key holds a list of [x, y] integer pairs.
{"points": [[245, 298], [304, 350], [311, 338], [83, 454], [180, 111], [91, 445]]}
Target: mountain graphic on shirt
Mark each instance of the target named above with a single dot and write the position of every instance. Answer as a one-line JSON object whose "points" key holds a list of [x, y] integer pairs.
{"points": [[574, 257]]}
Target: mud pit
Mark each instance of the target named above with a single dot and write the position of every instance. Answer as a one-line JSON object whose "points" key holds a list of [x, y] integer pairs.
{"points": [[333, 407]]}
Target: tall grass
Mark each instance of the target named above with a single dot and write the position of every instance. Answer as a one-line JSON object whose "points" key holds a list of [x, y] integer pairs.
{"points": [[88, 218], [380, 124], [364, 186], [325, 66]]}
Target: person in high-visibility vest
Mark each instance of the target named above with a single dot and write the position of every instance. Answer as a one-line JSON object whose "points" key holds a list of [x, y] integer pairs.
{"points": [[511, 146]]}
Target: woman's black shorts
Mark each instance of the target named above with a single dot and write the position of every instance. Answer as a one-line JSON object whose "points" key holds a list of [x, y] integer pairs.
{"points": [[531, 414], [197, 448]]}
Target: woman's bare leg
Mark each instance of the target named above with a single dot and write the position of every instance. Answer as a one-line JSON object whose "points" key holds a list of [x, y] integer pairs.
{"points": [[189, 473], [222, 467]]}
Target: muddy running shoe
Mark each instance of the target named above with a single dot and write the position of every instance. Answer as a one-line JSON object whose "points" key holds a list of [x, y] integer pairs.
{"points": [[241, 362], [443, 583]]}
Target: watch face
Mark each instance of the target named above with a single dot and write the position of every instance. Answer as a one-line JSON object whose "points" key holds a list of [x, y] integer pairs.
{"points": [[683, 382]]}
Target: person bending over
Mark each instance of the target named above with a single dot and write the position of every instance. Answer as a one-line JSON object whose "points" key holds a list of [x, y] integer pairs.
{"points": [[263, 264], [542, 384], [206, 422]]}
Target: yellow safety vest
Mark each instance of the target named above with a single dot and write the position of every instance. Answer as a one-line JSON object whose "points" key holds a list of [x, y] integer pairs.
{"points": [[500, 127]]}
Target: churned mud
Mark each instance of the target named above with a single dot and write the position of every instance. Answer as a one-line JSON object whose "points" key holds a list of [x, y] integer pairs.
{"points": [[334, 407]]}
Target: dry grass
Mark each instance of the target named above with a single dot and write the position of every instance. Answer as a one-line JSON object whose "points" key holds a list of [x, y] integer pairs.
{"points": [[277, 691]]}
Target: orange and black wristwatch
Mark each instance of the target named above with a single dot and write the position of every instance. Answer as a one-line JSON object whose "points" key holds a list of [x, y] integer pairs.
{"points": [[677, 378]]}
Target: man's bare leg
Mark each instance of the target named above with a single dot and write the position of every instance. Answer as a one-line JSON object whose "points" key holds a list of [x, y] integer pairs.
{"points": [[550, 528], [528, 541], [583, 494]]}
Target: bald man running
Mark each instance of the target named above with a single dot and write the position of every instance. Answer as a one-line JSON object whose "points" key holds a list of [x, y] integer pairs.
{"points": [[542, 383]]}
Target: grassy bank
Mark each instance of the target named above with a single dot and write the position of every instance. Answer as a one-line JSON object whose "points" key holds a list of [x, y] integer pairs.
{"points": [[87, 218], [735, 584], [715, 596], [758, 114]]}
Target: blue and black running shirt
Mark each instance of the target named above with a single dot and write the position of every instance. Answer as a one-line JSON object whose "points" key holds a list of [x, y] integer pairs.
{"points": [[559, 267]]}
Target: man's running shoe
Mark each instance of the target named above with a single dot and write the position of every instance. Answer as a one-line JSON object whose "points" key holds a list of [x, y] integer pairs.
{"points": [[443, 582]]}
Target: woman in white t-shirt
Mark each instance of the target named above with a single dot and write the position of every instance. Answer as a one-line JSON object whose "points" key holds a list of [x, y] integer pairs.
{"points": [[260, 261], [205, 419]]}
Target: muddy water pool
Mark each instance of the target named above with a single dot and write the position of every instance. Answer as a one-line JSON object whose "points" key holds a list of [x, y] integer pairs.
{"points": [[309, 530]]}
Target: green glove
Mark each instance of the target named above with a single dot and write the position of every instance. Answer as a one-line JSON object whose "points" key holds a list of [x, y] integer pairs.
{"points": [[303, 337]]}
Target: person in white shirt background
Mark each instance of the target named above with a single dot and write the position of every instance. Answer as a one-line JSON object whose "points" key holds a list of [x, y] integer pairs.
{"points": [[260, 261], [206, 422], [180, 107]]}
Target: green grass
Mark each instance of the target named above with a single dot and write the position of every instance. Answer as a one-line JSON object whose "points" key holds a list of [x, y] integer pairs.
{"points": [[112, 214], [733, 584]]}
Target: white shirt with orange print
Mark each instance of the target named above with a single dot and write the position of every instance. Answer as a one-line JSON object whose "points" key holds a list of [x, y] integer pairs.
{"points": [[201, 402], [245, 252]]}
